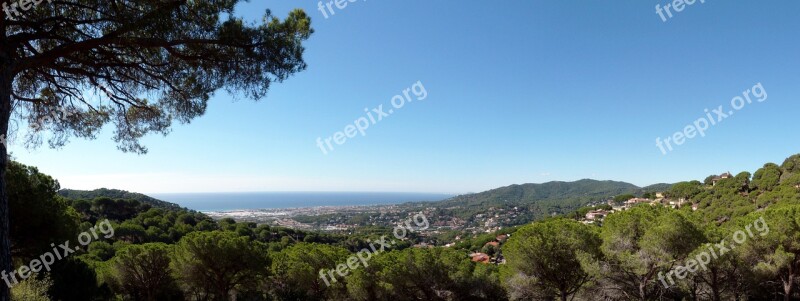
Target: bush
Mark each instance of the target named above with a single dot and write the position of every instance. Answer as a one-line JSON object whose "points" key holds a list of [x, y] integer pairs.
{"points": [[32, 290]]}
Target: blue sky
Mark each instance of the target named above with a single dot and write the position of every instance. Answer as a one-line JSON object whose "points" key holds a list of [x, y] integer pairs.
{"points": [[527, 91]]}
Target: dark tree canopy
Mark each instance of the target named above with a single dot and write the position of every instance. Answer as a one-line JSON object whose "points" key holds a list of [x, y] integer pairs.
{"points": [[553, 255], [77, 65], [38, 215]]}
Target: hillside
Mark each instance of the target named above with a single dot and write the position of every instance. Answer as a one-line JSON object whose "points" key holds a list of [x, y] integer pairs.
{"points": [[583, 190], [546, 198], [656, 187], [116, 194], [765, 203]]}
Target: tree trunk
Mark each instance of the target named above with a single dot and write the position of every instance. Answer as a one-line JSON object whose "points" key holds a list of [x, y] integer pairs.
{"points": [[715, 285], [788, 286], [5, 237], [643, 290]]}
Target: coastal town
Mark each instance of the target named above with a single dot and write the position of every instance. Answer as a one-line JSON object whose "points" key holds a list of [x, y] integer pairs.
{"points": [[344, 218], [491, 221]]}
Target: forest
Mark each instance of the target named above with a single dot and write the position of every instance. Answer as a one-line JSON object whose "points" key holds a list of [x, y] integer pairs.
{"points": [[164, 252]]}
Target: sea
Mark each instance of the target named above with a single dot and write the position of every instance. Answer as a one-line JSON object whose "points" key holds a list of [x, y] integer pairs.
{"points": [[214, 202]]}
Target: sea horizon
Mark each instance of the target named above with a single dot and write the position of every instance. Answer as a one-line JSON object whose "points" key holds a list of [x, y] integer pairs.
{"points": [[231, 201]]}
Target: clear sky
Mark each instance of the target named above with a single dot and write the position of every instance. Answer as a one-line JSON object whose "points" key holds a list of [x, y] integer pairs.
{"points": [[527, 91]]}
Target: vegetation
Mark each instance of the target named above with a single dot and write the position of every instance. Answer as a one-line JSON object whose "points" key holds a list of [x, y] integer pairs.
{"points": [[32, 290], [539, 200], [551, 255], [144, 273], [640, 243], [40, 216], [117, 195], [170, 253], [424, 274]]}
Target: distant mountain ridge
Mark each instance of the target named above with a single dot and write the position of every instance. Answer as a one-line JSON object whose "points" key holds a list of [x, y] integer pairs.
{"points": [[561, 189], [117, 194], [555, 196]]}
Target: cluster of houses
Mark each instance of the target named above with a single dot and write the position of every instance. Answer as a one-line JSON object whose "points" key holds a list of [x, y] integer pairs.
{"points": [[595, 216], [497, 257], [492, 220]]}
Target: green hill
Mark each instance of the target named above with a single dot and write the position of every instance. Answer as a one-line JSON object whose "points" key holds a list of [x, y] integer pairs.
{"points": [[584, 190], [117, 194], [660, 187], [546, 198]]}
